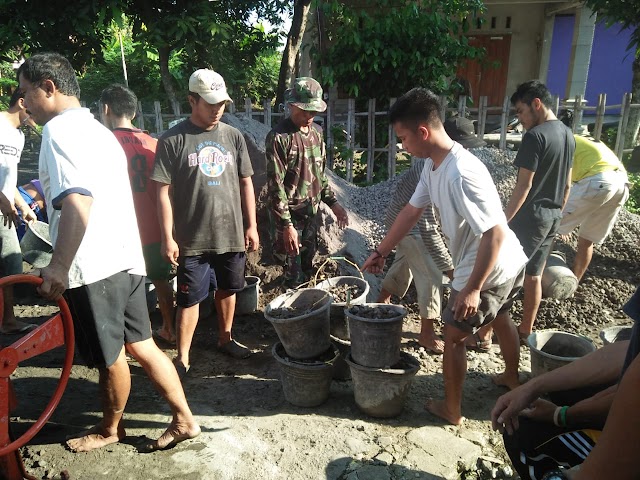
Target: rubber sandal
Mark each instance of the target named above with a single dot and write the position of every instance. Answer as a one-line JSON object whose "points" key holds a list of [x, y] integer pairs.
{"points": [[235, 350], [479, 345], [524, 338], [160, 339], [181, 369]]}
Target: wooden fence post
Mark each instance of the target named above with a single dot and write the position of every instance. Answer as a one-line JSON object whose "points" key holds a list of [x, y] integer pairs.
{"points": [[140, 116], [600, 110], [622, 125], [391, 162], [329, 130], [577, 113], [556, 104], [482, 116], [248, 108], [351, 128], [443, 107], [371, 144], [462, 106], [231, 107], [158, 113], [266, 105], [503, 123]]}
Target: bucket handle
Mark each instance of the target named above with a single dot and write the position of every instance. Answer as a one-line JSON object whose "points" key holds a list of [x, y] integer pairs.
{"points": [[344, 259]]}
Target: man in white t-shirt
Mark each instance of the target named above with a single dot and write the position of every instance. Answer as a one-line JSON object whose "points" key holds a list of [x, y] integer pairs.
{"points": [[97, 258], [487, 257]]}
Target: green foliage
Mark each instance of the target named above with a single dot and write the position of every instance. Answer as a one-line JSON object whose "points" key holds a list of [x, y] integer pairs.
{"points": [[620, 11], [384, 47], [633, 203]]}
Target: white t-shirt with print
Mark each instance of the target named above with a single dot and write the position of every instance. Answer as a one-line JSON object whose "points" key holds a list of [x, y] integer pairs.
{"points": [[463, 191], [80, 155], [11, 145]]}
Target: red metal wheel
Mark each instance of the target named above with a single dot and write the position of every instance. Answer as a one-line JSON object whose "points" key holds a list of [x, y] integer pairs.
{"points": [[54, 333]]}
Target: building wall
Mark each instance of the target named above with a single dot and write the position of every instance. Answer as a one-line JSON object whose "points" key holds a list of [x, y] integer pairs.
{"points": [[525, 23]]}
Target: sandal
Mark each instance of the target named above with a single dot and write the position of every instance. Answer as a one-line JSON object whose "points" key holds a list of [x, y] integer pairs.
{"points": [[235, 350], [478, 344], [524, 338]]}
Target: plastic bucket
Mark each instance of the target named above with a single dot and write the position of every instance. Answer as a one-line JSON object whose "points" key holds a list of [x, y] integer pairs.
{"points": [[341, 370], [305, 333], [615, 334], [339, 324], [375, 342], [36, 244], [551, 349], [558, 281], [382, 392], [305, 383], [247, 299]]}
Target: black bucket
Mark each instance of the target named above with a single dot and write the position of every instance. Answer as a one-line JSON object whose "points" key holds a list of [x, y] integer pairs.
{"points": [[306, 383]]}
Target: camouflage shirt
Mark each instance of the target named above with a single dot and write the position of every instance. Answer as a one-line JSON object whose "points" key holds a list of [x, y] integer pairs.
{"points": [[295, 171]]}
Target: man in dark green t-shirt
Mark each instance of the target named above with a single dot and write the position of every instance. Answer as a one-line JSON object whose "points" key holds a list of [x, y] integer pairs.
{"points": [[206, 190], [296, 159]]}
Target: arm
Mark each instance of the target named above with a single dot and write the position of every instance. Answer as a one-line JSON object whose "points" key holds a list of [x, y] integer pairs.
{"points": [[405, 221], [248, 199], [433, 240], [619, 440], [597, 368], [74, 217], [169, 247], [520, 192], [28, 216], [567, 189], [8, 210], [468, 299]]}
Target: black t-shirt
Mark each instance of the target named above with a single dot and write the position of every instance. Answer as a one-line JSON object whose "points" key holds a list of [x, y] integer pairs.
{"points": [[547, 150], [204, 168]]}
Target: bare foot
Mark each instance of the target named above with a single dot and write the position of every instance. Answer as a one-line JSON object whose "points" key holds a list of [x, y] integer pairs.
{"points": [[95, 437], [504, 380], [432, 344], [439, 409], [176, 433]]}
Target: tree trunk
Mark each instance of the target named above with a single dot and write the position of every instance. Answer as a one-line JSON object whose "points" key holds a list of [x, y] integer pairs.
{"points": [[165, 75], [631, 135], [290, 53]]}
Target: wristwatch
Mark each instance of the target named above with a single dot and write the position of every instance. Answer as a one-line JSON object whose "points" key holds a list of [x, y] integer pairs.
{"points": [[555, 475]]}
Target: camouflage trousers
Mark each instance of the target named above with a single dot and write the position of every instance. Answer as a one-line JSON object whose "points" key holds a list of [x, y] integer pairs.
{"points": [[297, 268]]}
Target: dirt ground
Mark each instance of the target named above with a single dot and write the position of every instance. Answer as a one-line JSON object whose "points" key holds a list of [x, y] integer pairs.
{"points": [[249, 431]]}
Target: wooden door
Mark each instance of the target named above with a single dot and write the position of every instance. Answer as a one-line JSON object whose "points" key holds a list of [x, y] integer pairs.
{"points": [[488, 76]]}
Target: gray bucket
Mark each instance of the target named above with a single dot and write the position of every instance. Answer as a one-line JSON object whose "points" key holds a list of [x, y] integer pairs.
{"points": [[339, 324], [341, 370], [382, 392], [375, 342], [305, 383], [247, 299], [551, 349], [615, 334], [558, 281], [36, 244], [306, 333]]}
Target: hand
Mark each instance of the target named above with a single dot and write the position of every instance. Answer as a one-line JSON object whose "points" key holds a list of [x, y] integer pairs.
{"points": [[466, 304], [28, 215], [373, 264], [341, 215], [55, 280], [504, 415], [291, 240], [540, 411], [251, 239], [170, 251], [9, 211]]}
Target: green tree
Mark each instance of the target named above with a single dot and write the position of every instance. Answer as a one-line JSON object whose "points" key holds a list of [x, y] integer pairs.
{"points": [[625, 12], [382, 48]]}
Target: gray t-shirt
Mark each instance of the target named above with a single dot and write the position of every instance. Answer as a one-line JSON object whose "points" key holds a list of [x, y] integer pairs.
{"points": [[547, 149], [204, 169]]}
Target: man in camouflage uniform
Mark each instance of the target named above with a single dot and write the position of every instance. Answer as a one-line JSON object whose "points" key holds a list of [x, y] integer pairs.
{"points": [[296, 158]]}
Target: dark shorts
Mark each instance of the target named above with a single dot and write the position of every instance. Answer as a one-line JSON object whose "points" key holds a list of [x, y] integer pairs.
{"points": [[106, 315], [201, 274], [493, 301], [536, 232], [157, 267]]}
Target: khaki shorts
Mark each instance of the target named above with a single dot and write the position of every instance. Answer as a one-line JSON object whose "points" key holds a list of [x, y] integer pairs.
{"points": [[413, 262], [493, 301], [594, 203]]}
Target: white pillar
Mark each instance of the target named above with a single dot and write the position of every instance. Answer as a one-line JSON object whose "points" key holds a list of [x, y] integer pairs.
{"points": [[545, 54], [583, 33]]}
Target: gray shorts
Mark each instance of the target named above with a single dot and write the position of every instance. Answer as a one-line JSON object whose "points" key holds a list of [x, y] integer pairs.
{"points": [[493, 301]]}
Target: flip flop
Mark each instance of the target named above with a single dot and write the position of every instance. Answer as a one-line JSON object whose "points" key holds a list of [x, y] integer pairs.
{"points": [[524, 338], [160, 339], [235, 350], [181, 369], [479, 345], [20, 328]]}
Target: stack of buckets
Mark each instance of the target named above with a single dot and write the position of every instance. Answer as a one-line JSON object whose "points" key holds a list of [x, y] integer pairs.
{"points": [[305, 352], [381, 373]]}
